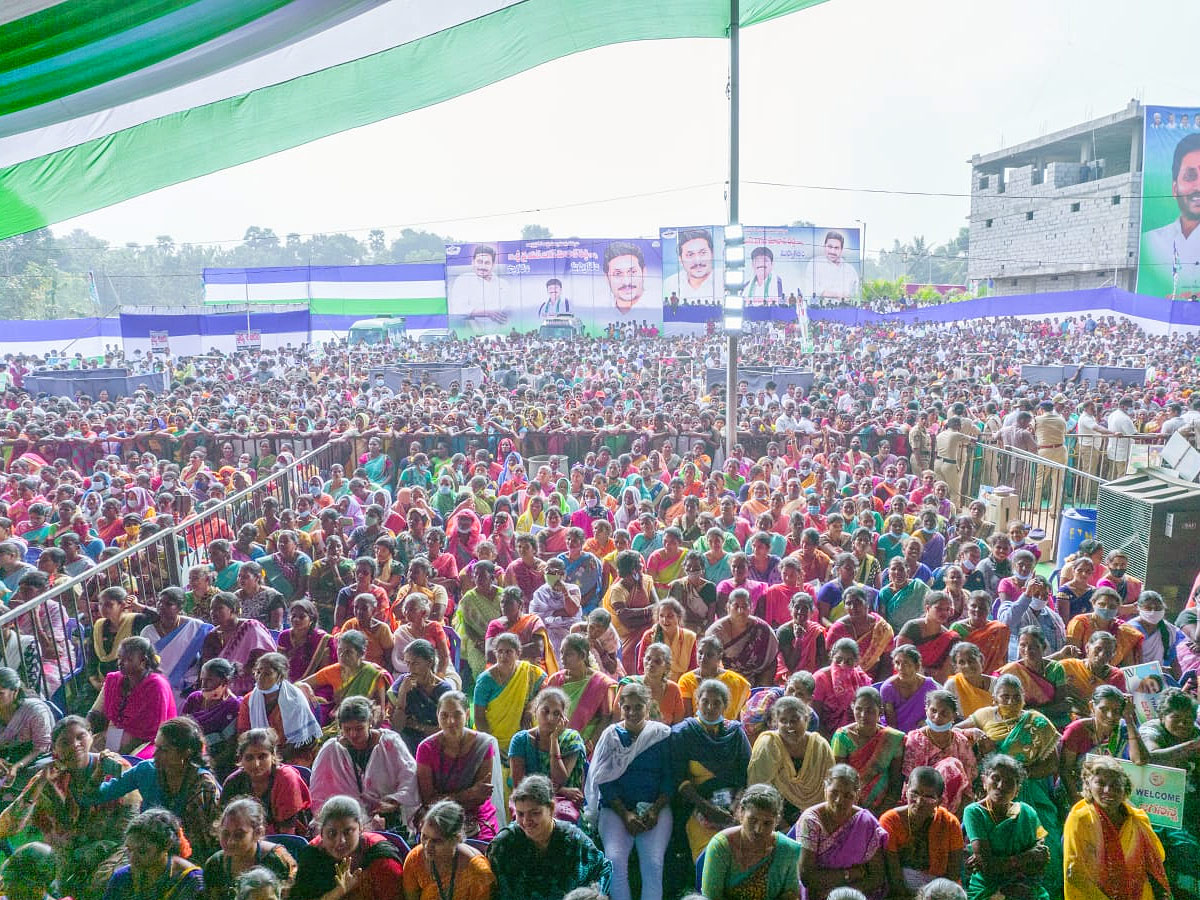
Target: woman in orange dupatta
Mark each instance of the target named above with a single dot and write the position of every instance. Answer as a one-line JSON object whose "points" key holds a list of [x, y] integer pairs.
{"points": [[529, 629], [1044, 680], [930, 636], [869, 630], [1110, 850], [1085, 675], [990, 636], [1106, 604]]}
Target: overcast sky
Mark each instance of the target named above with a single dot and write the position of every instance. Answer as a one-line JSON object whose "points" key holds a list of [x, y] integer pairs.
{"points": [[863, 105]]}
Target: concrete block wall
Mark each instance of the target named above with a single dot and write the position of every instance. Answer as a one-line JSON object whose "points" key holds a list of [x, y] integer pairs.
{"points": [[1057, 240]]}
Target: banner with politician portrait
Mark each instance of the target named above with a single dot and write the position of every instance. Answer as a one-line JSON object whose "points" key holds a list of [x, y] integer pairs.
{"points": [[785, 265], [493, 287], [1169, 258]]}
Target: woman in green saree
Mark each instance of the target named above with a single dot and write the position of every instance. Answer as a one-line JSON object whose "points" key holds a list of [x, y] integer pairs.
{"points": [[1009, 852], [350, 676], [1032, 740], [378, 464], [753, 861], [589, 692]]}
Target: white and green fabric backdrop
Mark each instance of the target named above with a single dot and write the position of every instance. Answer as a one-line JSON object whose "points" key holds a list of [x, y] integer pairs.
{"points": [[103, 100]]}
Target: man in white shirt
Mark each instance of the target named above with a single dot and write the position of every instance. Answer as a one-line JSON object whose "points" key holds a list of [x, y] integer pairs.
{"points": [[694, 281], [479, 296], [765, 287], [1178, 244], [1119, 422], [831, 276]]}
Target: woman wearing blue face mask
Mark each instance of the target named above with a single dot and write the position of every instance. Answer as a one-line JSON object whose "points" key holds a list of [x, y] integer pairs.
{"points": [[711, 755]]}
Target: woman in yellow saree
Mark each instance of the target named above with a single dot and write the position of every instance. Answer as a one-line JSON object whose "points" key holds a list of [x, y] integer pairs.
{"points": [[503, 692]]}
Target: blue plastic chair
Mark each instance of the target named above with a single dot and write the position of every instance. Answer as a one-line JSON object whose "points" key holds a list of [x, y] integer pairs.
{"points": [[292, 843], [481, 846], [397, 841], [132, 760], [700, 869], [32, 555], [54, 710]]}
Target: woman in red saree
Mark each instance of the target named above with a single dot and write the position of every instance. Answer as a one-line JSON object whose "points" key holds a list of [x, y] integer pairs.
{"points": [[990, 636], [932, 639], [869, 631], [802, 642], [836, 685], [872, 749]]}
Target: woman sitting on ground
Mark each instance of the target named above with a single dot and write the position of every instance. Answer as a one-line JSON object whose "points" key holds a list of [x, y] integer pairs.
{"points": [[177, 779], [1008, 852], [791, 758], [215, 709], [924, 839], [628, 789], [538, 857], [840, 842], [345, 861], [371, 763], [443, 866], [158, 867], [133, 702], [460, 764], [283, 707], [553, 749], [752, 859], [241, 830], [279, 788], [1110, 848]]}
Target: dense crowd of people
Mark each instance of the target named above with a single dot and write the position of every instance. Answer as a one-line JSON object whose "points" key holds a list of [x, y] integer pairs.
{"points": [[534, 627]]}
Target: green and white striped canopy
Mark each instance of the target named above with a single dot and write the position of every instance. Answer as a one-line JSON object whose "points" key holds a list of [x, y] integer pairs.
{"points": [[103, 100]]}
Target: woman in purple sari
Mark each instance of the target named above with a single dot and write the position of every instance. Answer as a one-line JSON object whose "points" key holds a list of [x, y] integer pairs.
{"points": [[841, 844], [904, 693], [215, 707], [751, 648], [307, 647]]}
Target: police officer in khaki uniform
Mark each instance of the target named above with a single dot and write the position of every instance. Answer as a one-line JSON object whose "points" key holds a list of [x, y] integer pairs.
{"points": [[1050, 429], [950, 457]]}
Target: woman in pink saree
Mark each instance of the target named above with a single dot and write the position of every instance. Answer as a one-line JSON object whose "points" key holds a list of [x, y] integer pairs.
{"points": [[589, 692], [836, 685], [841, 843], [133, 702]]}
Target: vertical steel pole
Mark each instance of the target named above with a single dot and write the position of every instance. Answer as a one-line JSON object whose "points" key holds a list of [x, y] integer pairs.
{"points": [[732, 338]]}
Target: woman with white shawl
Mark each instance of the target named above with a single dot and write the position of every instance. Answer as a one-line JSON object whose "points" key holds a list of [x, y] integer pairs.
{"points": [[628, 788], [364, 762], [278, 704]]}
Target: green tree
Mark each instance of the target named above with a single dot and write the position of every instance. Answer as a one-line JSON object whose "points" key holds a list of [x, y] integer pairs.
{"points": [[535, 233]]}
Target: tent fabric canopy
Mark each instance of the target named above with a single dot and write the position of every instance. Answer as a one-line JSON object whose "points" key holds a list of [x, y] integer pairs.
{"points": [[103, 100]]}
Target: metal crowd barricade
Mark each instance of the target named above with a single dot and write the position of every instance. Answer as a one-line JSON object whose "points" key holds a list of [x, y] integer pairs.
{"points": [[48, 638], [1043, 487]]}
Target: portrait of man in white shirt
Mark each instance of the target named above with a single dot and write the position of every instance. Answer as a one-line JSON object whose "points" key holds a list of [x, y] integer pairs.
{"points": [[480, 296], [694, 281], [1178, 244], [830, 275]]}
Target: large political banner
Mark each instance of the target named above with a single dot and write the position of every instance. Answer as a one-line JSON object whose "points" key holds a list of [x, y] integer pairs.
{"points": [[494, 287], [785, 264], [1169, 260]]}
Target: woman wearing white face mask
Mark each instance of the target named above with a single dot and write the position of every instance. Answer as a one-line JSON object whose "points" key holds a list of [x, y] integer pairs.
{"points": [[1033, 608], [1160, 638], [557, 602], [1106, 605]]}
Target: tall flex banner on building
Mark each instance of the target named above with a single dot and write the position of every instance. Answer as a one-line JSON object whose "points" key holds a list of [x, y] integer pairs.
{"points": [[493, 287], [1169, 258]]}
